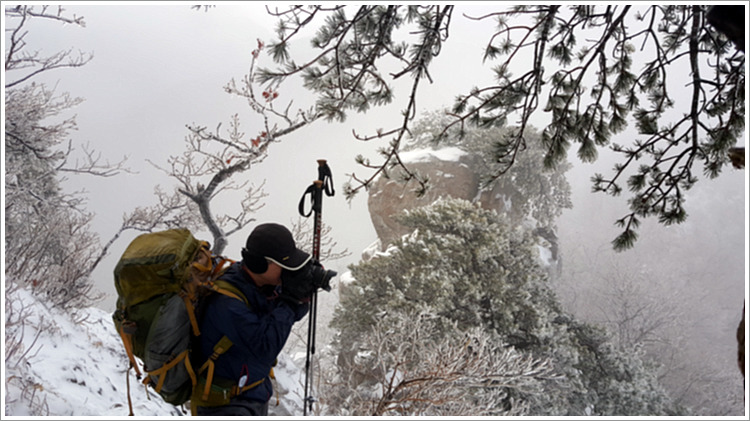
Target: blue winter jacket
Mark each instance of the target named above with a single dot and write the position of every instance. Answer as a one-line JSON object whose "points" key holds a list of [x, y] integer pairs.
{"points": [[258, 331]]}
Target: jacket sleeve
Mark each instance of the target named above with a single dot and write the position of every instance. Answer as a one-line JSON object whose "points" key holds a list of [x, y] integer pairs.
{"points": [[299, 310], [264, 335]]}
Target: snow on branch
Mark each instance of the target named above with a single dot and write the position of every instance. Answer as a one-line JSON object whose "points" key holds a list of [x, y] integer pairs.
{"points": [[411, 369]]}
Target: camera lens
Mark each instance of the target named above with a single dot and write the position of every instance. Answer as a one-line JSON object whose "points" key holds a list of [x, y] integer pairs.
{"points": [[322, 277]]}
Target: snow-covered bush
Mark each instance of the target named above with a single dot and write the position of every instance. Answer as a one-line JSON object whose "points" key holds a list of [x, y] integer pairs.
{"points": [[422, 364], [471, 269], [48, 244]]}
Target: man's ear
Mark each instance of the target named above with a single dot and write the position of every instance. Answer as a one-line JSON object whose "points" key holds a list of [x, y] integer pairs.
{"points": [[254, 263]]}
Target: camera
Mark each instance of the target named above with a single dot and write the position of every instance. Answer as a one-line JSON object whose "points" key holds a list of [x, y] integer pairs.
{"points": [[307, 280], [321, 278]]}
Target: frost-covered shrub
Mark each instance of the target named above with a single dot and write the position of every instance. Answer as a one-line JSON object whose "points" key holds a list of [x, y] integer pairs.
{"points": [[471, 269], [48, 244]]}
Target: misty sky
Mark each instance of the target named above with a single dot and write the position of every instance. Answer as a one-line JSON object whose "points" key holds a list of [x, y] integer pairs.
{"points": [[156, 68], [159, 67]]}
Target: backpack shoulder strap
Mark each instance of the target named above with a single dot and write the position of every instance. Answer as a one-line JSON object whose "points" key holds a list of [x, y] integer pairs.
{"points": [[202, 394], [224, 287]]}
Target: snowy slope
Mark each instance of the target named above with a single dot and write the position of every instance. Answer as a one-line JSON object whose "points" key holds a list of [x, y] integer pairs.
{"points": [[76, 367]]}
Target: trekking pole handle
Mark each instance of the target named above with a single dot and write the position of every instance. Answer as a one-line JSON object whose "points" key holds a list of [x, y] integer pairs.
{"points": [[326, 177]]}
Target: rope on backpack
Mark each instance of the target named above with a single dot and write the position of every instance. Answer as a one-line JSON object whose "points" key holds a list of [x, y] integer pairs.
{"points": [[127, 383], [126, 334]]}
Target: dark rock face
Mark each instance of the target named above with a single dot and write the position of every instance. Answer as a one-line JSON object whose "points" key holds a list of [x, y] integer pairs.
{"points": [[389, 197], [451, 174]]}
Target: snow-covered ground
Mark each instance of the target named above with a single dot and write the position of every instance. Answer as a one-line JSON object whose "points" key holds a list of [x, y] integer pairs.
{"points": [[75, 366]]}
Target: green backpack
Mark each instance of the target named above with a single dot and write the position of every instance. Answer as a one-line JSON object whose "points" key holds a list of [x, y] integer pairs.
{"points": [[161, 279]]}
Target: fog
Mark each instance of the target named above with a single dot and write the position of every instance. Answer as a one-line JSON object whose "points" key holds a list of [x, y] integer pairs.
{"points": [[157, 68]]}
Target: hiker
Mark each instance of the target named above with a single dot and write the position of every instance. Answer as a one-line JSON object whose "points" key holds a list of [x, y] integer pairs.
{"points": [[277, 279]]}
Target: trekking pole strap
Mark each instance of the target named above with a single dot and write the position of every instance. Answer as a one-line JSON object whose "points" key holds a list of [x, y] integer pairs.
{"points": [[301, 207], [324, 184]]}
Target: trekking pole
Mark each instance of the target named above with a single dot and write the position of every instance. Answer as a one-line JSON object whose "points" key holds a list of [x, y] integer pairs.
{"points": [[324, 183]]}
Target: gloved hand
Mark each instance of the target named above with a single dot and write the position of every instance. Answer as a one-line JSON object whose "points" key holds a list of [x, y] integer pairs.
{"points": [[298, 286]]}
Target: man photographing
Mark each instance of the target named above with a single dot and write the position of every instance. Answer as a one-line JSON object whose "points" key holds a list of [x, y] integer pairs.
{"points": [[276, 279]]}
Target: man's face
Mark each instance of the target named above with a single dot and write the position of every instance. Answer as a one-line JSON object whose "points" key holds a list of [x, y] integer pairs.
{"points": [[272, 276]]}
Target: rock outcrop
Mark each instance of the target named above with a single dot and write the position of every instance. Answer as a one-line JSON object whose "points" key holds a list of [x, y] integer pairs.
{"points": [[451, 172], [390, 196]]}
